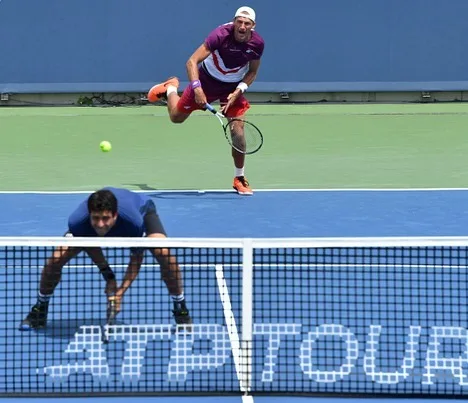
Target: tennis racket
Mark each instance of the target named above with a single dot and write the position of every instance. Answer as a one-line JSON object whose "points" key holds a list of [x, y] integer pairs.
{"points": [[249, 143], [110, 320]]}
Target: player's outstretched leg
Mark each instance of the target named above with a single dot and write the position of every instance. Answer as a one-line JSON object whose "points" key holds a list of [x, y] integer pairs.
{"points": [[158, 91], [50, 278], [240, 184], [172, 277]]}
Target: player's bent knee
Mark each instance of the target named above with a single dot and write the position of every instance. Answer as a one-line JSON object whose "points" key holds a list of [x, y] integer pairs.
{"points": [[178, 118], [61, 256], [161, 253]]}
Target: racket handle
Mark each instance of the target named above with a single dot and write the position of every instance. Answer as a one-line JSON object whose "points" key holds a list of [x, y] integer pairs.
{"points": [[210, 108], [111, 314]]}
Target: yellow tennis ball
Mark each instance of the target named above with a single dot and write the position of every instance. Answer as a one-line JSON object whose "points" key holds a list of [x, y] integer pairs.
{"points": [[105, 146]]}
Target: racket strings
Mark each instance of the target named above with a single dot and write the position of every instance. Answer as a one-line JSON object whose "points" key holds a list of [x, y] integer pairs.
{"points": [[247, 140]]}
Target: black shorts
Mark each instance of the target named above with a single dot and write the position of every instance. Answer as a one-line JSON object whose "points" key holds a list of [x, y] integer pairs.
{"points": [[153, 224]]}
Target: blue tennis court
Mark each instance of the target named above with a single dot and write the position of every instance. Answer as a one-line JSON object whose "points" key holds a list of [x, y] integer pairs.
{"points": [[334, 213], [276, 214]]}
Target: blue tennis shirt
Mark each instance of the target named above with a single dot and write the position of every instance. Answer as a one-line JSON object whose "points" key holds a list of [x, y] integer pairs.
{"points": [[131, 208]]}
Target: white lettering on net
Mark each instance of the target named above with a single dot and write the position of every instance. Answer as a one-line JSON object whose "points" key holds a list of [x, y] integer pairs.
{"points": [[136, 339], [435, 361], [334, 330], [183, 360], [409, 358], [275, 333], [88, 340]]}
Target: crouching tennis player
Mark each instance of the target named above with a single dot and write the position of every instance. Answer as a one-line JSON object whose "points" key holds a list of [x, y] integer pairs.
{"points": [[111, 212]]}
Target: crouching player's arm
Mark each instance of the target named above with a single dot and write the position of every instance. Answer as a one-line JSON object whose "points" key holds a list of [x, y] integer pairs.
{"points": [[97, 256], [133, 268]]}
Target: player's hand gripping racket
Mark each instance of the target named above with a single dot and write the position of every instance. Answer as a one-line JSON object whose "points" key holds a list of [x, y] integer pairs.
{"points": [[110, 319], [249, 143]]}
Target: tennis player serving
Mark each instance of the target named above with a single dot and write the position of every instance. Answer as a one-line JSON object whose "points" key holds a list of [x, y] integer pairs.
{"points": [[222, 68], [111, 212]]}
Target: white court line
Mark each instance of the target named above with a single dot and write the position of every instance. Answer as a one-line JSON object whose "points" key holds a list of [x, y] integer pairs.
{"points": [[312, 266], [232, 329], [202, 191]]}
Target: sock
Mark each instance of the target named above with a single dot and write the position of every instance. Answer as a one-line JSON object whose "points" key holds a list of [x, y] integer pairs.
{"points": [[178, 298], [43, 299], [240, 171], [171, 89]]}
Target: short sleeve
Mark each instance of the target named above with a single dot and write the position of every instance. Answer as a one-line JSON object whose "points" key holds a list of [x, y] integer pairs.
{"points": [[214, 39], [261, 48], [78, 221]]}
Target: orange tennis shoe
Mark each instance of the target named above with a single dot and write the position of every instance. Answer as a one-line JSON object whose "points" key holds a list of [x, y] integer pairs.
{"points": [[158, 91], [241, 185]]}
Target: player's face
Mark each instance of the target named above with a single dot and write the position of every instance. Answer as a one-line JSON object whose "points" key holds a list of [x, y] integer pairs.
{"points": [[102, 221], [242, 28]]}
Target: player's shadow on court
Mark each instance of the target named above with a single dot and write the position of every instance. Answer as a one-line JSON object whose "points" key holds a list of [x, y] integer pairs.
{"points": [[66, 328], [141, 186], [207, 195], [186, 193]]}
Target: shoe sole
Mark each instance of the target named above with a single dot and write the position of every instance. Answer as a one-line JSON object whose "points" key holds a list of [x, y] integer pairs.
{"points": [[243, 193], [29, 328], [161, 97], [157, 97]]}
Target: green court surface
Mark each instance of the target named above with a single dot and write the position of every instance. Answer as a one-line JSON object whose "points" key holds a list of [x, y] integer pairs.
{"points": [[306, 146]]}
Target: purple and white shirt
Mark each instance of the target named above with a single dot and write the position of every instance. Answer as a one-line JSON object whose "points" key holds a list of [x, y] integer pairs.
{"points": [[229, 59]]}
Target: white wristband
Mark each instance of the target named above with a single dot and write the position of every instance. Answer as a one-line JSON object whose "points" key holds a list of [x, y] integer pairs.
{"points": [[242, 86]]}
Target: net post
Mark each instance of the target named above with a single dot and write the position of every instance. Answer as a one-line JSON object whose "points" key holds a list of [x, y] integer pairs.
{"points": [[247, 313]]}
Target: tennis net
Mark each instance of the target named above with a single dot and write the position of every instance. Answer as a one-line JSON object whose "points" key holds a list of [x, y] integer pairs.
{"points": [[378, 316]]}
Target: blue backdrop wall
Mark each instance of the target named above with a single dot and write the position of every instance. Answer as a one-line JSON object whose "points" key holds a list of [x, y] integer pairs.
{"points": [[311, 45]]}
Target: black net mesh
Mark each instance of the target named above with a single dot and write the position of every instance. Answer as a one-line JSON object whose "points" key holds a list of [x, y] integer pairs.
{"points": [[146, 351], [362, 320]]}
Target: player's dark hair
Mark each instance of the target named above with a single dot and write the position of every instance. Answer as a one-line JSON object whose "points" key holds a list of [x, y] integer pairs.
{"points": [[102, 200]]}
